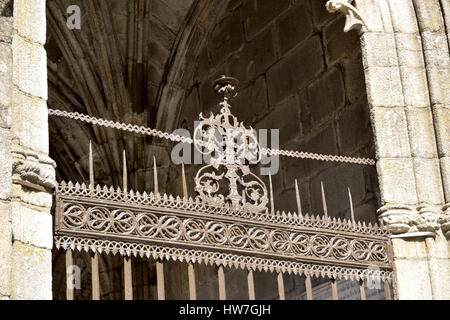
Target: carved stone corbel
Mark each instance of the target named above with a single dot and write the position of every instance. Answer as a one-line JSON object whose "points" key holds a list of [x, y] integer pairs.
{"points": [[354, 19], [31, 169]]}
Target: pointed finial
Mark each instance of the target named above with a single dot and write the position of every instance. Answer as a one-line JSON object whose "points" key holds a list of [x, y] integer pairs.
{"points": [[352, 213], [297, 197], [324, 201], [272, 205], [155, 176], [183, 177], [125, 173], [91, 166]]}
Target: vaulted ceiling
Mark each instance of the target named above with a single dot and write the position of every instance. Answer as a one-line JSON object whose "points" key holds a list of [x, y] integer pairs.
{"points": [[131, 61]]}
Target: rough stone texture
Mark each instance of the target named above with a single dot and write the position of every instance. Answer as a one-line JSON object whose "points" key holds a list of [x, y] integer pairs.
{"points": [[30, 19], [30, 121], [384, 87], [391, 132], [296, 70], [5, 248], [29, 67], [32, 275], [397, 183], [31, 226], [6, 32]]}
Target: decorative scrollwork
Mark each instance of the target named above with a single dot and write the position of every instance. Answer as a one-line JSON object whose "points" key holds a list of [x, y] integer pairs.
{"points": [[192, 230], [220, 258], [231, 145]]}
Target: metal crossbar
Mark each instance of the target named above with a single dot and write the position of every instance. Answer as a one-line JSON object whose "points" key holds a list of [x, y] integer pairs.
{"points": [[177, 138]]}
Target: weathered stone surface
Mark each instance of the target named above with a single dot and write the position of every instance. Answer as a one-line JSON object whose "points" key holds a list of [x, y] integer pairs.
{"points": [[415, 87], [258, 13], [5, 165], [29, 19], [409, 50], [403, 16], [227, 37], [439, 85], [407, 249], [384, 88], [31, 226], [429, 15], [326, 95], [420, 288], [294, 27], [29, 67], [440, 278], [421, 132], [30, 121], [354, 129], [254, 58], [391, 134], [5, 248], [339, 44], [379, 50], [445, 169], [295, 70], [31, 277], [397, 183], [5, 84], [429, 183]]}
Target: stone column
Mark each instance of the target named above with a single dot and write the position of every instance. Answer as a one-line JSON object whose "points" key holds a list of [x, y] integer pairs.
{"points": [[412, 178], [33, 174], [6, 27]]}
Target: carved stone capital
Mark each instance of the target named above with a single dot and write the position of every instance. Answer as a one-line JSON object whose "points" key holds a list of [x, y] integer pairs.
{"points": [[444, 220], [399, 218], [33, 168], [428, 218], [354, 19], [423, 218]]}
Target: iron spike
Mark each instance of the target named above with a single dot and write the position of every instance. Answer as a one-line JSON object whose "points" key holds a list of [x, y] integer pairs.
{"points": [[91, 166], [183, 175], [155, 176], [272, 205], [352, 212], [324, 201], [125, 172], [297, 196]]}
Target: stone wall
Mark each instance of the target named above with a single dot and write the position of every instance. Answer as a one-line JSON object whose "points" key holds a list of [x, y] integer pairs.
{"points": [[302, 74]]}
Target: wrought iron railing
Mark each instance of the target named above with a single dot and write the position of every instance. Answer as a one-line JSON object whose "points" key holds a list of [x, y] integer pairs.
{"points": [[235, 230]]}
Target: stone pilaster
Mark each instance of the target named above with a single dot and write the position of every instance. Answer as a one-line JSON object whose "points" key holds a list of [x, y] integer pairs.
{"points": [[6, 28], [405, 54], [33, 174]]}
